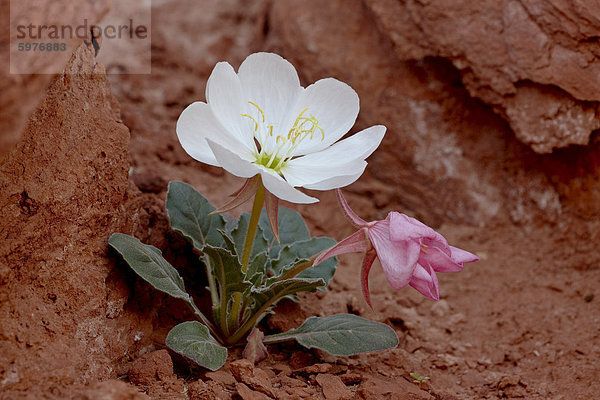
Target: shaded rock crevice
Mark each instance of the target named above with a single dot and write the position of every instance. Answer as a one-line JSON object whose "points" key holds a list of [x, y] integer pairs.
{"points": [[497, 45]]}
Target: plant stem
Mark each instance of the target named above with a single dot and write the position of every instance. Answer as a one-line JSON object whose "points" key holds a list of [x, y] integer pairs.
{"points": [[249, 324], [278, 338], [211, 284], [203, 319], [259, 199]]}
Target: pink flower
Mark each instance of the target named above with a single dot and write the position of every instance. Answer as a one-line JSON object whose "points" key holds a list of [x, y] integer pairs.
{"points": [[409, 251]]}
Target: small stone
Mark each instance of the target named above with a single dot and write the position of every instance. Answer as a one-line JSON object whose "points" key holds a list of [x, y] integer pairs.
{"points": [[248, 394], [211, 390], [150, 367], [350, 378], [258, 379], [317, 368], [333, 387], [223, 377]]}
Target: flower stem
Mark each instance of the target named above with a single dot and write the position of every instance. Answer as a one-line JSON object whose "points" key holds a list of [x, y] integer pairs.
{"points": [[259, 199]]}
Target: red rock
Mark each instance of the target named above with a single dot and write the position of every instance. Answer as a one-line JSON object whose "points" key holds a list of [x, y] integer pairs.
{"points": [[351, 378], [20, 95], [63, 191], [199, 390], [317, 368], [333, 387], [150, 367], [223, 377], [514, 56], [110, 390], [377, 388], [245, 372], [248, 394]]}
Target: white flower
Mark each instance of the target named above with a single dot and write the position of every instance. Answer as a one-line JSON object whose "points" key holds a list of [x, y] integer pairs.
{"points": [[261, 121]]}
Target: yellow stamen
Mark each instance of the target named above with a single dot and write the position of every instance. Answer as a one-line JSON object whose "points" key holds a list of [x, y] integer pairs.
{"points": [[259, 110], [253, 120], [286, 144]]}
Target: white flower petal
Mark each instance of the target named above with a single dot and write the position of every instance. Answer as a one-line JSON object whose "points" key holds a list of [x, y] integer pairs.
{"points": [[272, 83], [357, 147], [198, 123], [335, 182], [302, 173], [344, 160], [334, 104], [282, 189], [225, 97], [232, 162]]}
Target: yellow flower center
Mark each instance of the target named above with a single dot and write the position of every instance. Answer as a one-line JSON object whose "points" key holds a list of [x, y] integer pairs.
{"points": [[274, 150]]}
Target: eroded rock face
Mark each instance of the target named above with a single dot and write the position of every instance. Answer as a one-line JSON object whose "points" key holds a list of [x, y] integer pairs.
{"points": [[539, 53], [446, 156], [20, 95], [63, 190]]}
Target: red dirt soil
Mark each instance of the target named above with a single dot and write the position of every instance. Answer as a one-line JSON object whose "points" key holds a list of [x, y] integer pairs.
{"points": [[523, 322]]}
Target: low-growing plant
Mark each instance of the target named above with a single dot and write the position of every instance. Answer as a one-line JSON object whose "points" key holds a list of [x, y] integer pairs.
{"points": [[260, 124], [242, 295]]}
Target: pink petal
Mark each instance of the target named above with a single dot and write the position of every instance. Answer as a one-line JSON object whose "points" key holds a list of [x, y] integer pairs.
{"points": [[355, 243], [350, 214], [241, 196], [364, 275], [438, 260], [462, 256], [398, 259], [425, 281], [403, 227]]}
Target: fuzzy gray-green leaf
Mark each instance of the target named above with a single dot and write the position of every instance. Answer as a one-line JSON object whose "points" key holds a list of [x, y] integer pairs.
{"points": [[268, 296], [227, 270], [147, 261], [341, 335], [299, 252], [193, 340], [291, 229], [188, 213]]}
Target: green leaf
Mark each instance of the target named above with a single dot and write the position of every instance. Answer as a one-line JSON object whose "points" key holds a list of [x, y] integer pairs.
{"points": [[148, 262], [291, 229], [340, 335], [238, 234], [227, 270], [257, 269], [193, 340], [188, 214], [297, 253], [273, 291]]}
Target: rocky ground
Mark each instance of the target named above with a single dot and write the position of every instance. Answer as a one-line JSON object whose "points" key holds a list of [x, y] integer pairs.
{"points": [[492, 116]]}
